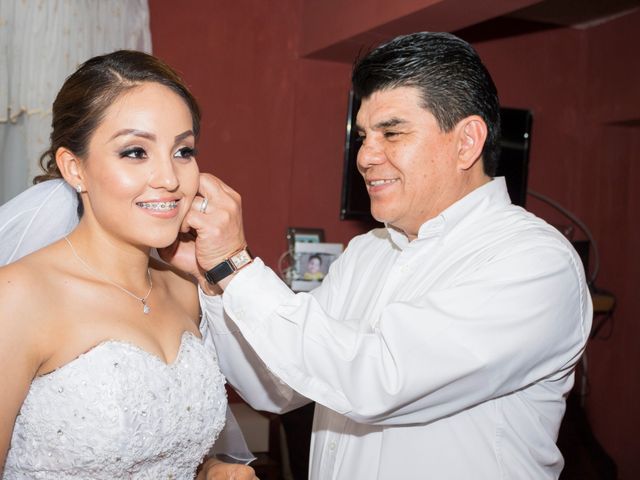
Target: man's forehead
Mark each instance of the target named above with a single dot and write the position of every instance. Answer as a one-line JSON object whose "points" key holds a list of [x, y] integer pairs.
{"points": [[390, 107], [401, 94]]}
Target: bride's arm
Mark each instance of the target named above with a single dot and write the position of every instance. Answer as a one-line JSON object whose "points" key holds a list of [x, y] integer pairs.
{"points": [[214, 469], [20, 349]]}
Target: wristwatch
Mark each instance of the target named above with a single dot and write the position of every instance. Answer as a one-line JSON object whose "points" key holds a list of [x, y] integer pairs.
{"points": [[235, 262]]}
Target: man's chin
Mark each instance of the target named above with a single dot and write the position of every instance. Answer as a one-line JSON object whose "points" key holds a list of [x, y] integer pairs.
{"points": [[379, 216]]}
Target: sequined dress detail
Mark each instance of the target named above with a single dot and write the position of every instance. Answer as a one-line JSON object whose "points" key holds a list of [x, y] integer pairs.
{"points": [[118, 411]]}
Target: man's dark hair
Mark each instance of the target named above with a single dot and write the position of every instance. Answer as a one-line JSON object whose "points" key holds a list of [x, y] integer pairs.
{"points": [[449, 74]]}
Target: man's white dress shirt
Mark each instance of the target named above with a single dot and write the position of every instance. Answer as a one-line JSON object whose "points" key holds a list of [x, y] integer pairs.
{"points": [[448, 357]]}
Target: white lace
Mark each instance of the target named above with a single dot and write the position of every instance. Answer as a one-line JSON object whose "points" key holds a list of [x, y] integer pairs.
{"points": [[118, 411]]}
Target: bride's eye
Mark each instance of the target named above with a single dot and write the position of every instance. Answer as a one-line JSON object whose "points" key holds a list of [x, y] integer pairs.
{"points": [[186, 152], [134, 152]]}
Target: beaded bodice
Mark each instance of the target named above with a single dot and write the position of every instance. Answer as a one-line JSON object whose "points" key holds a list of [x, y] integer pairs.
{"points": [[118, 411]]}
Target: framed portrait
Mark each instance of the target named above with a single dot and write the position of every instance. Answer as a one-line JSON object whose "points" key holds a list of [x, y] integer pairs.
{"points": [[311, 263], [303, 235]]}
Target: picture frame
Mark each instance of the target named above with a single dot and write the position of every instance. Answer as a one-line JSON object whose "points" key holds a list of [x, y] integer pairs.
{"points": [[303, 235], [311, 263]]}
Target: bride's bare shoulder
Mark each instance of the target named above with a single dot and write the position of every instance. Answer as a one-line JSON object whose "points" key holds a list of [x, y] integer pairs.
{"points": [[18, 280], [29, 286], [26, 301]]}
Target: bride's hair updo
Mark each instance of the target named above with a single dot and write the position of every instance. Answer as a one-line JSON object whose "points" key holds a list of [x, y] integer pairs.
{"points": [[85, 95]]}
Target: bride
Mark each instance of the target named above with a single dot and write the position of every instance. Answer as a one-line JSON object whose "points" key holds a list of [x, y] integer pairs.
{"points": [[108, 371]]}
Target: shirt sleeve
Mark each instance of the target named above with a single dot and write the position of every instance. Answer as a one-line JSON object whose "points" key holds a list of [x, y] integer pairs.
{"points": [[243, 369], [521, 318]]}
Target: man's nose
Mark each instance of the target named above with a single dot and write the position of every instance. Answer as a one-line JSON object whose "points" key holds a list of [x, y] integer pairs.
{"points": [[370, 153]]}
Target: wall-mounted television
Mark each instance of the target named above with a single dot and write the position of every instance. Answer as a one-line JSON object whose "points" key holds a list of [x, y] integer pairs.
{"points": [[513, 163]]}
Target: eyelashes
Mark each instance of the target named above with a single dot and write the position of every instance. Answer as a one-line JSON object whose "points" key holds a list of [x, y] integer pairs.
{"points": [[139, 153], [187, 152], [134, 152]]}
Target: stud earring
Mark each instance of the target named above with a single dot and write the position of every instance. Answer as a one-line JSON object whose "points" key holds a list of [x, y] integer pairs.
{"points": [[79, 188]]}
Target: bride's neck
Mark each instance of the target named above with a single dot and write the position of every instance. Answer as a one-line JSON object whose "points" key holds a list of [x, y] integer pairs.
{"points": [[111, 256]]}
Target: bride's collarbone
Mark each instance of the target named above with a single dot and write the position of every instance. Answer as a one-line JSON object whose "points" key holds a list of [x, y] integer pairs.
{"points": [[66, 313], [82, 318], [75, 338]]}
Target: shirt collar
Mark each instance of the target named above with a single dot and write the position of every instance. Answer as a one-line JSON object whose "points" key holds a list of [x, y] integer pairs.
{"points": [[493, 192]]}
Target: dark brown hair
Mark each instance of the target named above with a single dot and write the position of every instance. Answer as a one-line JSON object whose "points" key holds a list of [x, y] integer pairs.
{"points": [[84, 97]]}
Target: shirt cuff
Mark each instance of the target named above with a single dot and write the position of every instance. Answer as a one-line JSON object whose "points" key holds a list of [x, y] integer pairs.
{"points": [[212, 310]]}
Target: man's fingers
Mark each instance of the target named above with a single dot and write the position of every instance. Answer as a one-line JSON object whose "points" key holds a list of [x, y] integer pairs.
{"points": [[212, 187]]}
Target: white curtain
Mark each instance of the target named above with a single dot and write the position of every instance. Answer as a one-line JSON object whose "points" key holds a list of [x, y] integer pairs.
{"points": [[41, 43]]}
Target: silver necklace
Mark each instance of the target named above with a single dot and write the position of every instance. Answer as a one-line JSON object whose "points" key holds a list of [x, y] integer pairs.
{"points": [[145, 308]]}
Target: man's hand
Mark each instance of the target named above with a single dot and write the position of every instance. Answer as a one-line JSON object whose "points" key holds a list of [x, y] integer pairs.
{"points": [[208, 235], [182, 254]]}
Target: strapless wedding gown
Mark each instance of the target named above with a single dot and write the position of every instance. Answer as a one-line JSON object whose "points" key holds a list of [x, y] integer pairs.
{"points": [[119, 412]]}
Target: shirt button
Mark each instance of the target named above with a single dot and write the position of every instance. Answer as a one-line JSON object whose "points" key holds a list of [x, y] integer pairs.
{"points": [[332, 446]]}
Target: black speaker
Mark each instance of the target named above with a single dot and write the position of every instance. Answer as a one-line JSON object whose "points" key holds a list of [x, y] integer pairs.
{"points": [[354, 203], [513, 163]]}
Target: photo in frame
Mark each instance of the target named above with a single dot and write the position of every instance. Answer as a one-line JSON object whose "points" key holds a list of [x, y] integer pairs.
{"points": [[311, 263]]}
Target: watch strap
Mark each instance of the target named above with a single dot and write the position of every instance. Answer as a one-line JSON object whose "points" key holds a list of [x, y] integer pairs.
{"points": [[236, 261]]}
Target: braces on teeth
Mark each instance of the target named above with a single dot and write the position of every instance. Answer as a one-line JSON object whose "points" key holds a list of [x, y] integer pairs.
{"points": [[159, 205]]}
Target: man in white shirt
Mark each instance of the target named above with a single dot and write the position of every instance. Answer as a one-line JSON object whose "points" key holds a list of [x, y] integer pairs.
{"points": [[441, 346]]}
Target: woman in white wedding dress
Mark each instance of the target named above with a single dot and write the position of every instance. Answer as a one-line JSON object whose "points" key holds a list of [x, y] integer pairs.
{"points": [[107, 369]]}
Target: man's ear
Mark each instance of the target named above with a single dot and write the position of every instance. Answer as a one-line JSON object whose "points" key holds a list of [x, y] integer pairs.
{"points": [[472, 135], [70, 167]]}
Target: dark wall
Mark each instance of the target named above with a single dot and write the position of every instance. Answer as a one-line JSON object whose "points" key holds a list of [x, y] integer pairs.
{"points": [[274, 129], [612, 153]]}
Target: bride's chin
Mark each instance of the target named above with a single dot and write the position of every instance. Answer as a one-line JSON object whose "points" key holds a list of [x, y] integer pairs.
{"points": [[163, 243], [164, 240]]}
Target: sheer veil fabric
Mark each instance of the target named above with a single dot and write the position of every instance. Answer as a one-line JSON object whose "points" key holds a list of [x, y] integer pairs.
{"points": [[43, 214], [37, 217]]}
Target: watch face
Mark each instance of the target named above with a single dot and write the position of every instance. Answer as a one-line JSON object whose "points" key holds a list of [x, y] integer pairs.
{"points": [[240, 259]]}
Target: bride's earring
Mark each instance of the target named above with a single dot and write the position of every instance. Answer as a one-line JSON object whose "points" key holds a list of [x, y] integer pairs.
{"points": [[79, 188]]}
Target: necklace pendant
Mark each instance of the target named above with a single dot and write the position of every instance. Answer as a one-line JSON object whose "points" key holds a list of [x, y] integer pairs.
{"points": [[146, 308]]}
